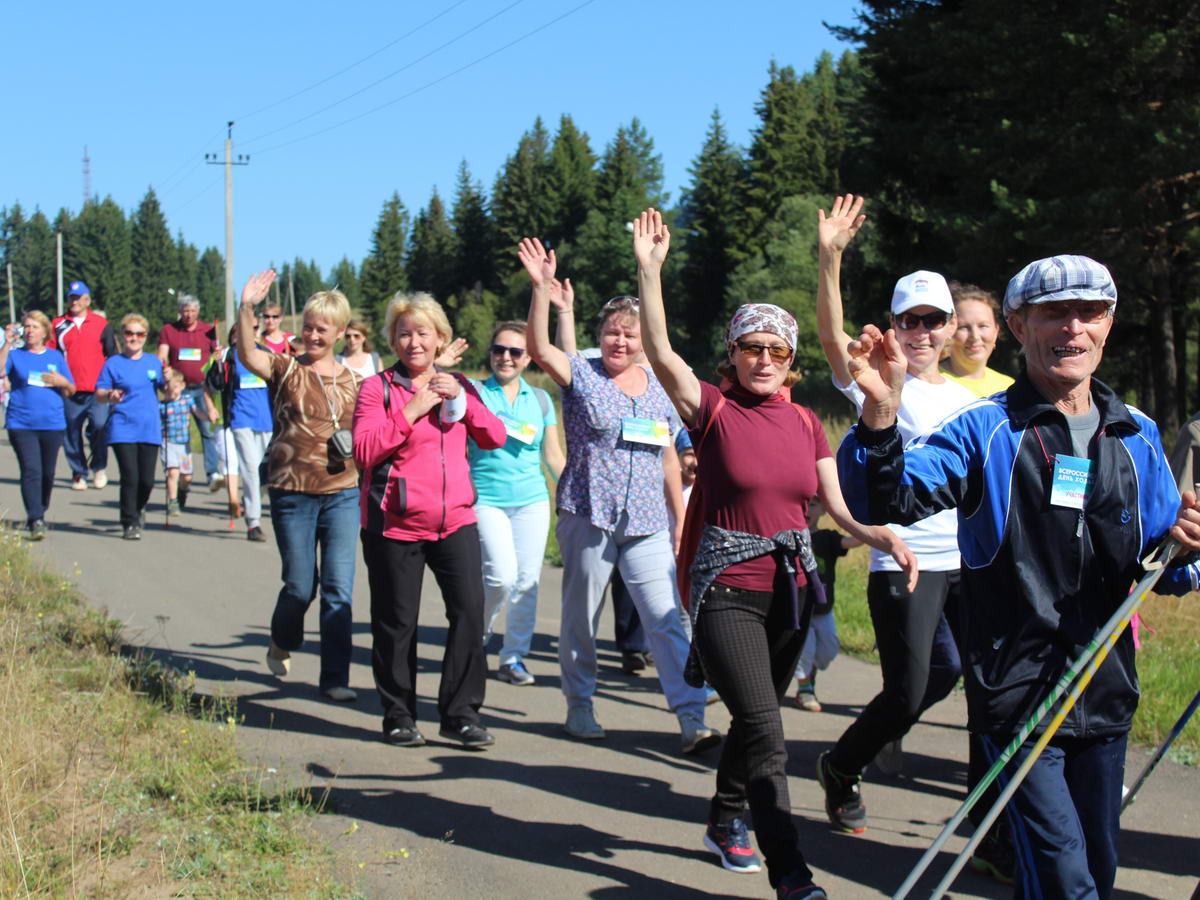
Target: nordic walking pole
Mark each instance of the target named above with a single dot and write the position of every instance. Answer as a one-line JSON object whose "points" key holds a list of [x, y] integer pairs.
{"points": [[1154, 569], [1162, 751]]}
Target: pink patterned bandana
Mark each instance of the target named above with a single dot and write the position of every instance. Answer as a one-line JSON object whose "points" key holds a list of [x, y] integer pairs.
{"points": [[751, 317]]}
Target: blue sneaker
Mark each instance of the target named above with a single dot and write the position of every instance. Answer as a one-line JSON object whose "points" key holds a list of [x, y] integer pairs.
{"points": [[732, 843], [515, 673]]}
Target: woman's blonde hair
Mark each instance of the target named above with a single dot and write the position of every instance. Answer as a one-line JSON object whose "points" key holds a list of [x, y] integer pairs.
{"points": [[42, 319], [422, 307], [361, 326], [137, 318], [332, 306]]}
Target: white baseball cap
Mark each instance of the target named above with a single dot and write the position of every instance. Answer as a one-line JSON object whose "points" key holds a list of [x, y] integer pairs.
{"points": [[922, 289]]}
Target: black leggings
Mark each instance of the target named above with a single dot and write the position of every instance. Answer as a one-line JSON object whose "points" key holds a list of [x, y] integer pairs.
{"points": [[749, 654], [37, 456], [917, 655], [137, 464]]}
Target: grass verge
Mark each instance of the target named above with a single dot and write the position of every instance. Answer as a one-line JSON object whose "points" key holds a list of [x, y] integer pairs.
{"points": [[117, 779]]}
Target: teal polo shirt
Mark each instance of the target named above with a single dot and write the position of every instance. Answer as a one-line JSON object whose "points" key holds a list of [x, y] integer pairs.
{"points": [[512, 475]]}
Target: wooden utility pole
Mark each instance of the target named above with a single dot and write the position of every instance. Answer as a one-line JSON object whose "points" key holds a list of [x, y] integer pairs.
{"points": [[292, 298], [228, 163], [58, 264]]}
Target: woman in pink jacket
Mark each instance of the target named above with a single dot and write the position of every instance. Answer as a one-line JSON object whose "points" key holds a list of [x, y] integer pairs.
{"points": [[410, 442]]}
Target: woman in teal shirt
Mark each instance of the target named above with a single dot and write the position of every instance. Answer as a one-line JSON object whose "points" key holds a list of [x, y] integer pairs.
{"points": [[513, 505]]}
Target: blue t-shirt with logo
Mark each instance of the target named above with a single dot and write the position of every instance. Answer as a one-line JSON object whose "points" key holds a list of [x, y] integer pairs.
{"points": [[33, 404], [512, 475], [136, 419], [251, 403]]}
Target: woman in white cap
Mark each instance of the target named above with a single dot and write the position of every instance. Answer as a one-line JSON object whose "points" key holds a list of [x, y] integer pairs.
{"points": [[917, 654], [761, 460]]}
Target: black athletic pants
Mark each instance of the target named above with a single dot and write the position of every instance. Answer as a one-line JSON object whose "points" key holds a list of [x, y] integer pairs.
{"points": [[137, 464], [395, 570], [749, 654]]}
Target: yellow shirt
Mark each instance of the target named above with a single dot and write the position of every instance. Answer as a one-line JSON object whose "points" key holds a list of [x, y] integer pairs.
{"points": [[991, 382]]}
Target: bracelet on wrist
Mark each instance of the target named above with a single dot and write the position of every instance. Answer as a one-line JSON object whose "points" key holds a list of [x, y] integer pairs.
{"points": [[566, 312]]}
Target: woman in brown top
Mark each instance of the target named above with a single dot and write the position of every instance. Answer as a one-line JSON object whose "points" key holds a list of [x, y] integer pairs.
{"points": [[312, 479]]}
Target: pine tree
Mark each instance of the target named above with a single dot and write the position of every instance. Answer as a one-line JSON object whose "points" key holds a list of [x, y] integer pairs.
{"points": [[521, 204], [210, 279], [98, 251], [475, 266], [713, 222], [29, 246], [307, 280], [344, 277], [154, 266], [571, 181], [383, 271], [433, 251]]}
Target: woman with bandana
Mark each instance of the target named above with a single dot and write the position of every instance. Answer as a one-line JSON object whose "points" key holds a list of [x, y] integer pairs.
{"points": [[762, 459]]}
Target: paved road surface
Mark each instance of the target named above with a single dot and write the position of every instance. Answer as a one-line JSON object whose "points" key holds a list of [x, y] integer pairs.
{"points": [[539, 815]]}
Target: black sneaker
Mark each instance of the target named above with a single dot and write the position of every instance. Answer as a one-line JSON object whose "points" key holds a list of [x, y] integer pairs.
{"points": [[633, 661], [732, 843], [995, 857], [799, 887], [182, 495], [404, 736], [132, 533], [471, 736], [37, 529], [843, 799], [256, 534]]}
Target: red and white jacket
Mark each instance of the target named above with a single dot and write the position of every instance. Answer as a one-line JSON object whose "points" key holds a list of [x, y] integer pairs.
{"points": [[85, 346]]}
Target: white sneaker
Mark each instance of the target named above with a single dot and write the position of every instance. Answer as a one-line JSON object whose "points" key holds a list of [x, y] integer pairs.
{"points": [[79, 484], [695, 736], [581, 723], [278, 660], [99, 479], [341, 694]]}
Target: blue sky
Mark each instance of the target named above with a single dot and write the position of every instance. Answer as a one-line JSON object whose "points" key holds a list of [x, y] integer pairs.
{"points": [[148, 88]]}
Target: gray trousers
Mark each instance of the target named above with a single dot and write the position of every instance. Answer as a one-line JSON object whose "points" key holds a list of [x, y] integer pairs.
{"points": [[647, 565], [251, 448]]}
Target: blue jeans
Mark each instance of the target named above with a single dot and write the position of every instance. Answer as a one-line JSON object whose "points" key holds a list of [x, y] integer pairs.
{"points": [[208, 434], [513, 544], [37, 456], [81, 409], [303, 523]]}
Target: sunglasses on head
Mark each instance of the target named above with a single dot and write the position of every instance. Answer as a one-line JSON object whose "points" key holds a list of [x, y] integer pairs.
{"points": [[754, 351], [129, 333], [907, 321], [514, 352]]}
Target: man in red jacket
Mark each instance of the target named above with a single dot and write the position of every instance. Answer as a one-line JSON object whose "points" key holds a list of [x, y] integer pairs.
{"points": [[87, 340]]}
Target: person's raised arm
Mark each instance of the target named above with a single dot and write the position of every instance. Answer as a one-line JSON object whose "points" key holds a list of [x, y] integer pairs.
{"points": [[10, 341], [541, 266], [562, 298], [878, 536], [253, 357], [834, 233], [651, 241]]}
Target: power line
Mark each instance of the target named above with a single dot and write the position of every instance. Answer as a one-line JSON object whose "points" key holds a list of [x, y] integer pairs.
{"points": [[379, 81], [356, 63], [190, 159], [196, 197], [430, 84]]}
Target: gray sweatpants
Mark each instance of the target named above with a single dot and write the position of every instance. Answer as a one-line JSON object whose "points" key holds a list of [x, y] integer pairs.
{"points": [[251, 448]]}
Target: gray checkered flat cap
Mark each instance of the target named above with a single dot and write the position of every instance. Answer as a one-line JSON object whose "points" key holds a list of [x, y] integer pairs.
{"points": [[1060, 278]]}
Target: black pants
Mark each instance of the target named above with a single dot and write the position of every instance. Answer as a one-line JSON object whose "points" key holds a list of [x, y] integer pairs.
{"points": [[628, 632], [749, 653], [137, 464], [395, 570], [917, 655], [37, 455]]}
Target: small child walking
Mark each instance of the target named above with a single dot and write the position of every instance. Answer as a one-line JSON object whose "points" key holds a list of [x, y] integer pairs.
{"points": [[176, 412], [821, 646]]}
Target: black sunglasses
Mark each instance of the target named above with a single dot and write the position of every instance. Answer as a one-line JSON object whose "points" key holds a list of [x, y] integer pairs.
{"points": [[907, 321], [514, 352]]}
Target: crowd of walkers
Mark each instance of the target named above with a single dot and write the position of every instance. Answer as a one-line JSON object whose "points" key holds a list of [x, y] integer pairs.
{"points": [[1006, 518]]}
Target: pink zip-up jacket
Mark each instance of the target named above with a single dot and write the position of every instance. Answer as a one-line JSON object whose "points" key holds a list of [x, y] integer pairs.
{"points": [[416, 482]]}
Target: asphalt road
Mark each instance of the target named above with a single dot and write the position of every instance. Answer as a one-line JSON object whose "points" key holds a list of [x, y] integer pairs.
{"points": [[539, 815]]}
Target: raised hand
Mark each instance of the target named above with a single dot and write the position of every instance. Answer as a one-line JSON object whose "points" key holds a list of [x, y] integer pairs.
{"points": [[540, 264], [878, 366], [562, 295], [10, 334], [651, 239], [256, 287], [837, 230], [452, 355]]}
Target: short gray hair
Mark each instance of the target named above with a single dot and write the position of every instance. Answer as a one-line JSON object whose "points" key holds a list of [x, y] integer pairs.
{"points": [[188, 300]]}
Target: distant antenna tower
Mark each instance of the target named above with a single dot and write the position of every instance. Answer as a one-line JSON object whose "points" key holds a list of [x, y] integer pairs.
{"points": [[87, 176]]}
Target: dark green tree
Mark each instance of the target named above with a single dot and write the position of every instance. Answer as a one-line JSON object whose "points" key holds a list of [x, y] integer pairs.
{"points": [[344, 276], [383, 271], [571, 180], [154, 263], [475, 237], [521, 203], [433, 252], [98, 250], [210, 279], [29, 247]]}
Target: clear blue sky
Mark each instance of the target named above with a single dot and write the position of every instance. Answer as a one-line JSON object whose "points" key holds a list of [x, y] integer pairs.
{"points": [[148, 88]]}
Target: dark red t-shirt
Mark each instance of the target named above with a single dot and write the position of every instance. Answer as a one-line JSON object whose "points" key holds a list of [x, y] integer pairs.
{"points": [[189, 350], [757, 471]]}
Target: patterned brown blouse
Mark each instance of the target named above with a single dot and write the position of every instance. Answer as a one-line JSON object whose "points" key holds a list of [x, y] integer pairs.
{"points": [[304, 409]]}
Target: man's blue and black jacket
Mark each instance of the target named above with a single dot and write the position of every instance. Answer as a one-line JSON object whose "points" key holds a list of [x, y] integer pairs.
{"points": [[1039, 580]]}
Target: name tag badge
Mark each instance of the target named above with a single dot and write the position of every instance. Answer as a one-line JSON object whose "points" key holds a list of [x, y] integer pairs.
{"points": [[1072, 481], [189, 354], [518, 430], [250, 380], [36, 379], [645, 431], [152, 375]]}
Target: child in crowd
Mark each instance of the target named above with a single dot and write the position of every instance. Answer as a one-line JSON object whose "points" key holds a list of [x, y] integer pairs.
{"points": [[821, 645], [176, 411]]}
